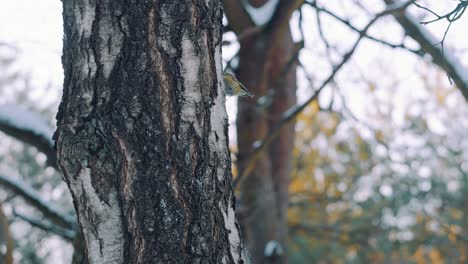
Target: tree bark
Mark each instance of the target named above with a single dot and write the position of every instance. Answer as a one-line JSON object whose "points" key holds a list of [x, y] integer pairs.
{"points": [[142, 132]]}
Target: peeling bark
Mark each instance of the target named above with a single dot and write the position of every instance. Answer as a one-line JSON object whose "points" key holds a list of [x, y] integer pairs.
{"points": [[142, 132]]}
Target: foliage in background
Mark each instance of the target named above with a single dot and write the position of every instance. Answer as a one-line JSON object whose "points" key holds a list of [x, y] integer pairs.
{"points": [[395, 194]]}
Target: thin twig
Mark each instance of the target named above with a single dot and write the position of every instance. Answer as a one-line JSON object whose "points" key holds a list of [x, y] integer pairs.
{"points": [[355, 29]]}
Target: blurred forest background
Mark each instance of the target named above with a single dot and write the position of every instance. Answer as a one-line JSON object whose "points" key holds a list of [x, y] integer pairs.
{"points": [[377, 170]]}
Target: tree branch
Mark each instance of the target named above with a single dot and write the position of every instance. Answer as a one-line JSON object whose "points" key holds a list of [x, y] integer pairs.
{"points": [[355, 29], [33, 197], [67, 234], [428, 43], [295, 110], [283, 13], [280, 21], [239, 19], [29, 127]]}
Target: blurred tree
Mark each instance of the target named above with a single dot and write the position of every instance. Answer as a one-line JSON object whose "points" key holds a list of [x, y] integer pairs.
{"points": [[267, 65]]}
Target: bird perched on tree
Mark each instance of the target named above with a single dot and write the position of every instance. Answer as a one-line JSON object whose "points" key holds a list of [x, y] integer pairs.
{"points": [[234, 87]]}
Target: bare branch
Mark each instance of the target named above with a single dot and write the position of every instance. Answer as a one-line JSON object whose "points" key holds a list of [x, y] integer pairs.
{"points": [[301, 27], [280, 22], [428, 43], [320, 29], [29, 127], [294, 111], [239, 19], [33, 197], [283, 13], [355, 29], [67, 234], [451, 16]]}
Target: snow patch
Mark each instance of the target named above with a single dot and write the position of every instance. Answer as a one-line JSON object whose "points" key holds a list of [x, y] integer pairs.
{"points": [[25, 119], [261, 15], [273, 248], [257, 144]]}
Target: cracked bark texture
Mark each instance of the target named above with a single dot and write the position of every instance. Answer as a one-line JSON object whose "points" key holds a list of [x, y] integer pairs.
{"points": [[142, 132]]}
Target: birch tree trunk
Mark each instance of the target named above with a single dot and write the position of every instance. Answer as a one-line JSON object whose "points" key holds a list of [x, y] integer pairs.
{"points": [[142, 132]]}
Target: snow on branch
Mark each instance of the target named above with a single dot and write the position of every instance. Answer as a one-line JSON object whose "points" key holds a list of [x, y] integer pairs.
{"points": [[430, 45], [263, 14], [52, 213], [29, 127], [67, 234], [25, 119]]}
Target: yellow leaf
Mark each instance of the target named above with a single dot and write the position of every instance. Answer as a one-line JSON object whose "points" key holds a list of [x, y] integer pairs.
{"points": [[379, 135], [436, 257], [456, 213], [314, 106]]}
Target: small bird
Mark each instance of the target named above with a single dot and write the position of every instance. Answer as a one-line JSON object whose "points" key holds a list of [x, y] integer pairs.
{"points": [[234, 87]]}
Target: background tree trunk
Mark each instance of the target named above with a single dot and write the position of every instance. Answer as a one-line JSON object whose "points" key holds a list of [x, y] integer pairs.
{"points": [[142, 132], [257, 198], [264, 193], [6, 241], [267, 66]]}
